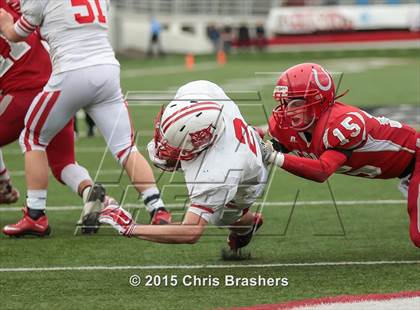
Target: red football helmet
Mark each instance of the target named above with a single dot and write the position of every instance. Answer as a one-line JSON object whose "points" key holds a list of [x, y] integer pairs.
{"points": [[304, 92]]}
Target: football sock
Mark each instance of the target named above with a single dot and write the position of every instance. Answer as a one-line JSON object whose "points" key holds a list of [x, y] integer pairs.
{"points": [[36, 202], [73, 175], [4, 175], [152, 213], [85, 193], [152, 200]]}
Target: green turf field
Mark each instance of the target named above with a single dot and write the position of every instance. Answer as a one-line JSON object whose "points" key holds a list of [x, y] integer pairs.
{"points": [[368, 223]]}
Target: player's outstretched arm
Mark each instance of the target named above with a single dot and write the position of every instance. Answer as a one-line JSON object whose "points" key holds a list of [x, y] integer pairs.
{"points": [[318, 170], [187, 232], [7, 27]]}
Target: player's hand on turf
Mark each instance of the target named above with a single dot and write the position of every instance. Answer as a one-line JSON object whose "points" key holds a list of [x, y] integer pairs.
{"points": [[160, 163], [120, 219]]}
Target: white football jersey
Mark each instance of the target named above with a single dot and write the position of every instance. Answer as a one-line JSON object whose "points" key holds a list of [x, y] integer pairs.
{"points": [[76, 31], [230, 174]]}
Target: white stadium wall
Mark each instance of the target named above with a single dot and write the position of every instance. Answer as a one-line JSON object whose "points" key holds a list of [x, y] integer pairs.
{"points": [[129, 30], [133, 32]]}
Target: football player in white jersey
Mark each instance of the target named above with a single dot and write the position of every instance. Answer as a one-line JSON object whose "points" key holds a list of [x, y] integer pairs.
{"points": [[203, 134], [85, 75]]}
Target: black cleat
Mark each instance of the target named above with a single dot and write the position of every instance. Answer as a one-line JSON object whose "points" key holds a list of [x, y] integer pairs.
{"points": [[89, 218], [236, 241]]}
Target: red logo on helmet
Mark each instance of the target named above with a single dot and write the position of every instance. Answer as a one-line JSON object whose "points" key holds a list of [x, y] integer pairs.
{"points": [[201, 137]]}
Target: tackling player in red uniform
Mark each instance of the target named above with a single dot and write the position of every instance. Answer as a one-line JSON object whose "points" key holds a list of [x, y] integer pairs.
{"points": [[324, 136]]}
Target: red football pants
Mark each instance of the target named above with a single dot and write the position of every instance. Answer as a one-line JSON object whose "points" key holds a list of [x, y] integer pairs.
{"points": [[13, 108], [414, 199]]}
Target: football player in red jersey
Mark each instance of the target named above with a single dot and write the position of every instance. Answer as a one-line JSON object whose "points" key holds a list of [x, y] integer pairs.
{"points": [[314, 136]]}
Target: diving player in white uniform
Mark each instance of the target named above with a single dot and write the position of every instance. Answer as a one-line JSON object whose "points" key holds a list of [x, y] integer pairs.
{"points": [[203, 134]]}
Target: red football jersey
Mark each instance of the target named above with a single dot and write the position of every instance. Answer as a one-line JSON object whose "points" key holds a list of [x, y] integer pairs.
{"points": [[25, 65], [377, 147]]}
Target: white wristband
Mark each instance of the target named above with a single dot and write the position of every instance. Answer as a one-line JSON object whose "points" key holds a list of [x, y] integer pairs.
{"points": [[129, 232], [277, 159]]}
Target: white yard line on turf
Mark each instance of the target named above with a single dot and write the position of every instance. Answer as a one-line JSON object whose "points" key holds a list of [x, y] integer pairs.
{"points": [[78, 150], [267, 204], [189, 267]]}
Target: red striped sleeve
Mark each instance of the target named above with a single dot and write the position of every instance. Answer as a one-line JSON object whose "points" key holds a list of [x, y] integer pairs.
{"points": [[27, 23]]}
